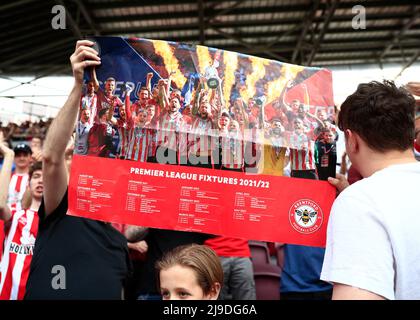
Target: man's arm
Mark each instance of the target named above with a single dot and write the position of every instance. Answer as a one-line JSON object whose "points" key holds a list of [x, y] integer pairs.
{"points": [[95, 79], [321, 124], [345, 292], [306, 94], [5, 173], [282, 97], [61, 129], [413, 88], [149, 82], [163, 97]]}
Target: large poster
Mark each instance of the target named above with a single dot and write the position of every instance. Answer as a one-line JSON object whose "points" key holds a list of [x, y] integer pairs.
{"points": [[194, 138]]}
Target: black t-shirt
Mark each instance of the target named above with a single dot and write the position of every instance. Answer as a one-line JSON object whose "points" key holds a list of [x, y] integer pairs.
{"points": [[160, 241], [326, 159], [93, 255]]}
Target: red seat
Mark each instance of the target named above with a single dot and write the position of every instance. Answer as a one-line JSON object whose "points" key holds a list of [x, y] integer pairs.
{"points": [[267, 281], [259, 252]]}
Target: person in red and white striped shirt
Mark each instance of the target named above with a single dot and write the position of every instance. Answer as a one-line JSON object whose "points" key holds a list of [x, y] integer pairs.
{"points": [[302, 152], [200, 144], [19, 180], [21, 231], [124, 126], [89, 101], [170, 124], [232, 148], [151, 123], [139, 140]]}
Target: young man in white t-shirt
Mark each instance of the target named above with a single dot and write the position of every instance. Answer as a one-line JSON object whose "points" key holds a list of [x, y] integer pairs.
{"points": [[373, 243]]}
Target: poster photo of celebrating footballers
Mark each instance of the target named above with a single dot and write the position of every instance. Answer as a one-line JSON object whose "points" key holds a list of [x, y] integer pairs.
{"points": [[154, 103], [166, 102]]}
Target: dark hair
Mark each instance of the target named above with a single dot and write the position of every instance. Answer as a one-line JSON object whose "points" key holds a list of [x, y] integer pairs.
{"points": [[225, 114], [382, 114], [34, 167], [202, 259], [276, 119], [102, 112]]}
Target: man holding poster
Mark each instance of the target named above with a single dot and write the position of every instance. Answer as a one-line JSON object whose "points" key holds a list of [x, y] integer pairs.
{"points": [[74, 258], [373, 243]]}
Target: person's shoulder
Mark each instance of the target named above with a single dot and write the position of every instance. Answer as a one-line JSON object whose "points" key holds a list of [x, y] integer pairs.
{"points": [[405, 168], [59, 212], [357, 193]]}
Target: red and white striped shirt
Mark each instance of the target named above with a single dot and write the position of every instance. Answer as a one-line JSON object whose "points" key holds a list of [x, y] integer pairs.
{"points": [[302, 155], [199, 138], [152, 143], [138, 148], [125, 131], [18, 252], [17, 187], [169, 127], [105, 102], [232, 151]]}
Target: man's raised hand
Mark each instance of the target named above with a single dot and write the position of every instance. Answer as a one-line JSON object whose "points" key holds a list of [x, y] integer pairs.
{"points": [[84, 56]]}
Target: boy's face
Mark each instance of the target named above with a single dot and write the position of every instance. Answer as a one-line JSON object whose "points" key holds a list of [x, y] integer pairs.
{"points": [[180, 283], [35, 184]]}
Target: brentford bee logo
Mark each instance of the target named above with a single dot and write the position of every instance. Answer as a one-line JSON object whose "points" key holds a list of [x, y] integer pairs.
{"points": [[305, 216]]}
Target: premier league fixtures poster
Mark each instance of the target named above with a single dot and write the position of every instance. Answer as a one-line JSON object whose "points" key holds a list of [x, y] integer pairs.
{"points": [[192, 138]]}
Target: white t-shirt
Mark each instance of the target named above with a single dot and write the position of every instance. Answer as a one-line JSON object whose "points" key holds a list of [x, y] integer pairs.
{"points": [[373, 237]]}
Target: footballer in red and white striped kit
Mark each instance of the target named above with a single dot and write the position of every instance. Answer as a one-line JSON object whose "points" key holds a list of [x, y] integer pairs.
{"points": [[200, 144], [19, 180], [138, 145], [170, 124], [125, 131], [233, 148], [89, 101], [302, 147], [21, 231]]}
